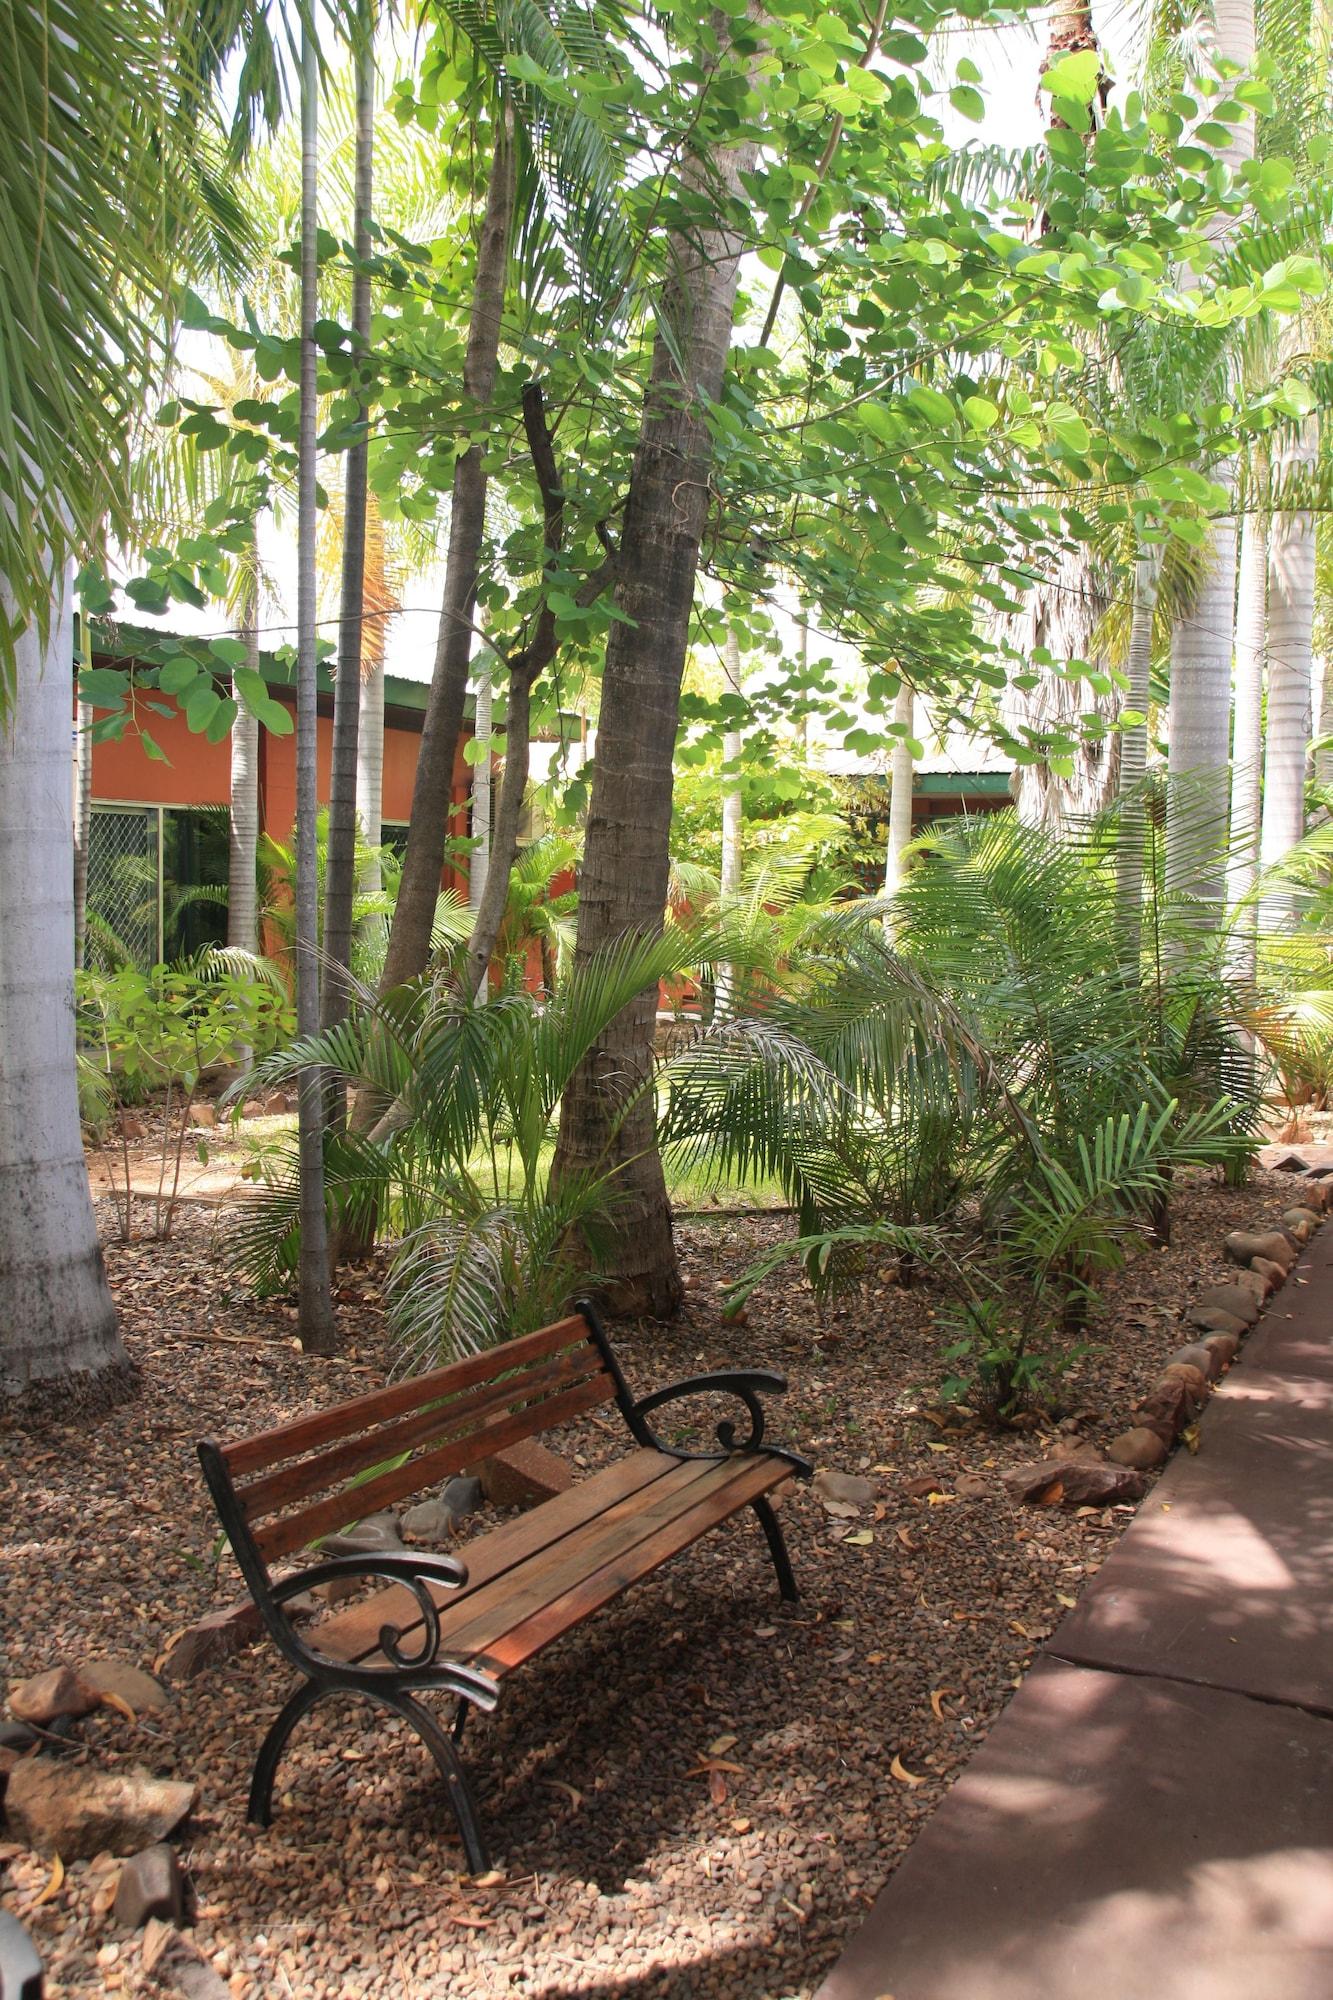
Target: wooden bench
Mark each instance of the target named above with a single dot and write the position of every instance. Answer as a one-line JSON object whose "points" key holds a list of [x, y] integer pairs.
{"points": [[462, 1627]]}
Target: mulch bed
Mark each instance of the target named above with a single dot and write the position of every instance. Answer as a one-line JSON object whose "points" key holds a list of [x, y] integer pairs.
{"points": [[691, 1795]]}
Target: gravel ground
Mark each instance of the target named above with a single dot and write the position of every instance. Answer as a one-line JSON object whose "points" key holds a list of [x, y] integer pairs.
{"points": [[692, 1794]]}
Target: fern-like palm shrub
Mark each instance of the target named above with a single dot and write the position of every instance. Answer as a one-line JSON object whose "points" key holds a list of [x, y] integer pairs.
{"points": [[457, 1172]]}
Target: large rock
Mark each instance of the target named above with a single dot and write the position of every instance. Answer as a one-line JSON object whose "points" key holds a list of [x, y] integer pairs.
{"points": [[1142, 1449], [1237, 1299], [1300, 1223], [1193, 1356], [1222, 1346], [150, 1885], [523, 1475], [376, 1535], [1212, 1319], [432, 1521], [214, 1638], [849, 1488], [1275, 1273], [77, 1811], [1074, 1482], [127, 1683], [1243, 1246], [1174, 1400], [58, 1691]]}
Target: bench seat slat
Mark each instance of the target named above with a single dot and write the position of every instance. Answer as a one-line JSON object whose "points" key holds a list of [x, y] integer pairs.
{"points": [[518, 1599], [297, 1531], [304, 1434], [354, 1635], [296, 1479], [719, 1495]]}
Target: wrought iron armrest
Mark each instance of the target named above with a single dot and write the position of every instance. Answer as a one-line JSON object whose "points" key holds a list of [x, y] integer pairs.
{"points": [[414, 1572], [745, 1385]]}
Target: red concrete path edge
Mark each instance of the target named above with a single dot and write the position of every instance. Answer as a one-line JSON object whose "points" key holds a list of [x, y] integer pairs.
{"points": [[1152, 1816]]}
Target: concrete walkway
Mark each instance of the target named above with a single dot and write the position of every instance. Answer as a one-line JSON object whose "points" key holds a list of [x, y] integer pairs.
{"points": [[1152, 1816]]}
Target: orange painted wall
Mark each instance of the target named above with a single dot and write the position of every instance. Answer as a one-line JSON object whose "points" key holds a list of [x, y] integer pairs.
{"points": [[198, 773]]}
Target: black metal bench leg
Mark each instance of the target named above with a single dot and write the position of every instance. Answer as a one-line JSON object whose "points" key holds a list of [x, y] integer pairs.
{"points": [[451, 1770], [272, 1747], [777, 1548]]}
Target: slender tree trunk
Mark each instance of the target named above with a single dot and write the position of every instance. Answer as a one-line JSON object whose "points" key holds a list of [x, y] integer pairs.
{"points": [[340, 862], [480, 861], [242, 887], [1132, 833], [316, 1306], [623, 884], [1291, 592], [432, 792], [802, 731], [83, 819], [504, 836], [1247, 733], [901, 774], [1199, 733], [370, 773], [732, 815], [58, 1334]]}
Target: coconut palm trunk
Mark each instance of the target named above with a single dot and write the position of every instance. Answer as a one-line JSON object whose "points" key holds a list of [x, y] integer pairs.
{"points": [[243, 845], [340, 860], [1247, 731], [432, 791], [732, 812], [315, 1321], [1132, 832], [623, 882], [901, 775], [83, 820], [58, 1333], [1199, 731], [1291, 590]]}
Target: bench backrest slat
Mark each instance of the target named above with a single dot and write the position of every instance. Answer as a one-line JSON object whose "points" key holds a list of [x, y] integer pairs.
{"points": [[295, 1531], [344, 1419], [306, 1479], [444, 1417]]}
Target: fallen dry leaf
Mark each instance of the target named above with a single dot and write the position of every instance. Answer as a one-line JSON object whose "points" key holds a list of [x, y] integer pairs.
{"points": [[119, 1703], [860, 1540], [1068, 1602], [902, 1774], [905, 1537], [574, 1796], [53, 1884], [157, 1935], [936, 1702], [721, 1744], [717, 1788]]}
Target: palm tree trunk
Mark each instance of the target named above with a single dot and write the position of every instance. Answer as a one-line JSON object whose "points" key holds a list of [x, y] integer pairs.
{"points": [[1199, 733], [1321, 728], [901, 774], [732, 814], [1247, 731], [1290, 648], [242, 885], [315, 1322], [57, 1321], [340, 860], [623, 883], [370, 773], [83, 816], [1131, 837], [504, 835], [432, 791]]}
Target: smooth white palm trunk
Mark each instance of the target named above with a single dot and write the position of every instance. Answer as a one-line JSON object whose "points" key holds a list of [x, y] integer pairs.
{"points": [[1291, 590], [732, 813], [242, 887], [57, 1320], [1132, 840], [370, 771], [1247, 729], [901, 779], [1199, 735]]}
